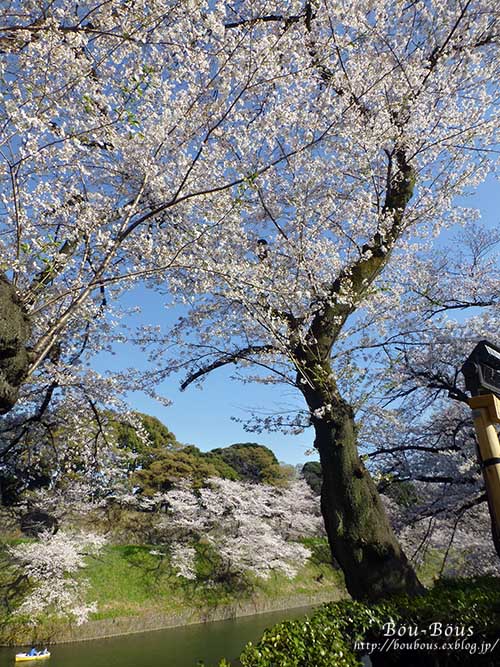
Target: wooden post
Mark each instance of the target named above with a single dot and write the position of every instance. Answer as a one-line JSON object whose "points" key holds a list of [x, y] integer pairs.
{"points": [[486, 413]]}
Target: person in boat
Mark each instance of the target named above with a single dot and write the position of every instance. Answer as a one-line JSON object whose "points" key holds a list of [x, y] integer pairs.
{"points": [[33, 651]]}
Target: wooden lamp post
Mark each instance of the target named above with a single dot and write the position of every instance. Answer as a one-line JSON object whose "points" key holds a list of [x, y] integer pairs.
{"points": [[482, 379]]}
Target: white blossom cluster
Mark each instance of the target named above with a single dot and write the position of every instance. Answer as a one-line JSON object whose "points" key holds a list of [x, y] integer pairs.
{"points": [[252, 527], [51, 564], [183, 560]]}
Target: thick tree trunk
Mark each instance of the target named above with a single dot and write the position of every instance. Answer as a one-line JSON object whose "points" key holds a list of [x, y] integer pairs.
{"points": [[359, 532], [14, 333], [360, 535]]}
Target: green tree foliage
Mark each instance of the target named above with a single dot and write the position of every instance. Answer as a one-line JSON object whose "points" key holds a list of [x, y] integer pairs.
{"points": [[247, 461], [165, 466], [49, 456], [127, 438], [253, 463], [168, 467], [313, 475], [223, 468], [159, 434]]}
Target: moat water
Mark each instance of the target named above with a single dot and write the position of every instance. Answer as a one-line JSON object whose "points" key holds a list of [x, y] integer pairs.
{"points": [[173, 647]]}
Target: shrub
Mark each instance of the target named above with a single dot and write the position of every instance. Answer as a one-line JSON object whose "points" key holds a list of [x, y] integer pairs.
{"points": [[328, 637]]}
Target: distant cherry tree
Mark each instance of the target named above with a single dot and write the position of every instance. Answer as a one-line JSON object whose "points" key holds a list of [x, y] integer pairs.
{"points": [[252, 528], [49, 566]]}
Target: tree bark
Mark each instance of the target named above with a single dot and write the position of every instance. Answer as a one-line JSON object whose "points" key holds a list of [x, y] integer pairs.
{"points": [[14, 334], [360, 535], [359, 532]]}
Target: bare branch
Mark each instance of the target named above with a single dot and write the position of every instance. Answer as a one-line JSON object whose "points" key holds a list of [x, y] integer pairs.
{"points": [[232, 358]]}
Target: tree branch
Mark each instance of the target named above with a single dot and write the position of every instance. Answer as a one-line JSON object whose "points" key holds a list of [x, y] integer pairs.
{"points": [[416, 448], [269, 18], [356, 279], [232, 358]]}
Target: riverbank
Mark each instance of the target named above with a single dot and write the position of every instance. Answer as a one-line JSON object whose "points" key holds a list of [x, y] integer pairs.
{"points": [[126, 625], [135, 590]]}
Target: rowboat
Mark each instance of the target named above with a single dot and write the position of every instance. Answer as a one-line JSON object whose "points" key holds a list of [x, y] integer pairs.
{"points": [[23, 657]]}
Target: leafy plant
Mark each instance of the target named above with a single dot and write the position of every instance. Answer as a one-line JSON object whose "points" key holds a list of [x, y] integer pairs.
{"points": [[328, 637]]}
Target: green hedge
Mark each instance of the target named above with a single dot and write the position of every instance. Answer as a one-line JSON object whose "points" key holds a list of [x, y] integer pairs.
{"points": [[328, 637]]}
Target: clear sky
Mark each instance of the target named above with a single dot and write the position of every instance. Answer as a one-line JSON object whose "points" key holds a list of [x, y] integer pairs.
{"points": [[203, 417]]}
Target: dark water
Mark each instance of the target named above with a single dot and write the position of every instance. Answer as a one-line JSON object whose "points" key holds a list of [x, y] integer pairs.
{"points": [[174, 647]]}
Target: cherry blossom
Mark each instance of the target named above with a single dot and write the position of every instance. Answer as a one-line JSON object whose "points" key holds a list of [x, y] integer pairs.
{"points": [[253, 528], [50, 565]]}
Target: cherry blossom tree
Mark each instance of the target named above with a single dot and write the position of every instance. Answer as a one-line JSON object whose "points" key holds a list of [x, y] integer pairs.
{"points": [[49, 565], [253, 528], [317, 254], [122, 124]]}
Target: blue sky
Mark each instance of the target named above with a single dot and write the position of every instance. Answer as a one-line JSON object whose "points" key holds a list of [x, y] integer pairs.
{"points": [[203, 417]]}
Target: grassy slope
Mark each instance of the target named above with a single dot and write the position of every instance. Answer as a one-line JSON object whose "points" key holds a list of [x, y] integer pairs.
{"points": [[129, 580]]}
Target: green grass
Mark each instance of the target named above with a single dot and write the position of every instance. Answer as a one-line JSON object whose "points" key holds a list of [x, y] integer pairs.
{"points": [[430, 570], [130, 580]]}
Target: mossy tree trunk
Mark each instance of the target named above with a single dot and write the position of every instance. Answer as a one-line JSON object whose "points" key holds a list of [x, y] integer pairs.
{"points": [[359, 532], [360, 535], [14, 334]]}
